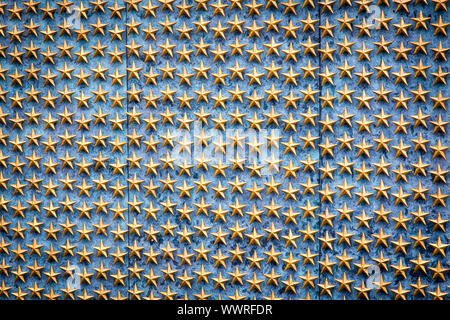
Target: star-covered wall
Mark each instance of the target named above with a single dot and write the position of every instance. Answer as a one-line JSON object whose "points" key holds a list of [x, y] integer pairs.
{"points": [[223, 149]]}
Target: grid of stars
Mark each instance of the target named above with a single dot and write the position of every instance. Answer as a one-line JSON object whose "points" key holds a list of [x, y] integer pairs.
{"points": [[322, 134]]}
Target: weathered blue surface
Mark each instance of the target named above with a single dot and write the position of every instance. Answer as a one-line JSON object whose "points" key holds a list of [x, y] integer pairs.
{"points": [[129, 60]]}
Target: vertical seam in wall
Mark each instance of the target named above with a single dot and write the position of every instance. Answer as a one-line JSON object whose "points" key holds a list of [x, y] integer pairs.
{"points": [[320, 157], [128, 153]]}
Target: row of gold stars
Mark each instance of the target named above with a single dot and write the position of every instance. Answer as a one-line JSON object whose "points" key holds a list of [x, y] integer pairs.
{"points": [[290, 7], [235, 26], [237, 48]]}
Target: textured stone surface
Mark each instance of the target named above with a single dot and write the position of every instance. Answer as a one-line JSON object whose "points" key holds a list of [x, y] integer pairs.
{"points": [[289, 284]]}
